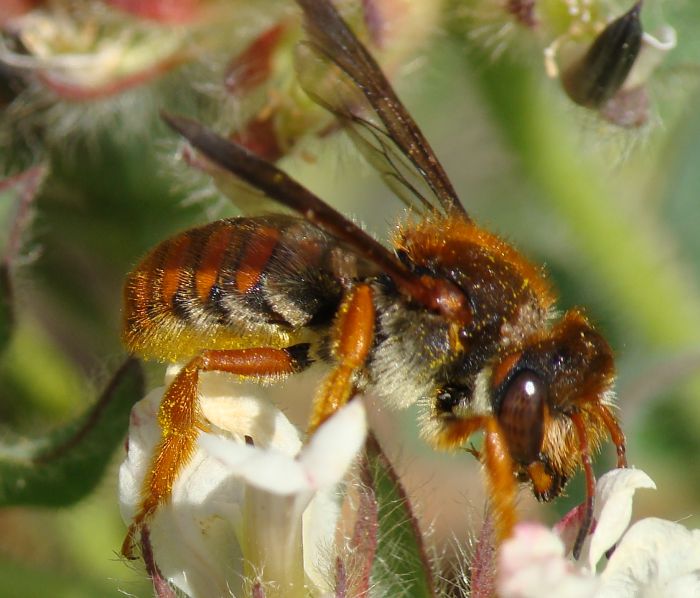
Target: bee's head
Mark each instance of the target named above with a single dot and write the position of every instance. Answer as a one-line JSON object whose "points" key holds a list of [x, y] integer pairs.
{"points": [[536, 390]]}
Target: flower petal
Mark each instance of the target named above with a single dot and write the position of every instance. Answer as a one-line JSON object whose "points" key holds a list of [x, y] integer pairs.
{"points": [[198, 549], [144, 433], [654, 558], [242, 409], [531, 564], [613, 509], [652, 53], [320, 464], [271, 471], [335, 444], [319, 524]]}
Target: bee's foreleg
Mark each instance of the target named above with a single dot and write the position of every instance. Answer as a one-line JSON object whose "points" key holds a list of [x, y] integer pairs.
{"points": [[616, 434], [586, 463], [454, 432], [618, 438]]}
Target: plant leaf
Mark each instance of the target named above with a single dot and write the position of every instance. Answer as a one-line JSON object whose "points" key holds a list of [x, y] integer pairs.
{"points": [[63, 466], [400, 566]]}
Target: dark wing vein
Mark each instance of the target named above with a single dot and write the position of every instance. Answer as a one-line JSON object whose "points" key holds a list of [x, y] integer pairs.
{"points": [[332, 41], [332, 89]]}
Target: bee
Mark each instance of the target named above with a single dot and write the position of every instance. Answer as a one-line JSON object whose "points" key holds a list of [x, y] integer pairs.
{"points": [[451, 317]]}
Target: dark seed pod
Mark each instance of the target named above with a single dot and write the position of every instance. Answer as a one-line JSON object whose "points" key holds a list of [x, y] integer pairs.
{"points": [[597, 76]]}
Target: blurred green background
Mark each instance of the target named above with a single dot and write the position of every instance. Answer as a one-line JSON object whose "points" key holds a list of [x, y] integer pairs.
{"points": [[614, 215]]}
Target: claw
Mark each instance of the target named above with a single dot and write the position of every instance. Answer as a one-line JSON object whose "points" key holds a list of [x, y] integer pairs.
{"points": [[129, 545]]}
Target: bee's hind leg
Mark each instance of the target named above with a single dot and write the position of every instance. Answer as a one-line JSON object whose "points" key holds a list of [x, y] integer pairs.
{"points": [[180, 419]]}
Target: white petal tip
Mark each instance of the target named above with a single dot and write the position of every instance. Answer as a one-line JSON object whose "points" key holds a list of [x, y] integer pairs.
{"points": [[627, 478], [333, 447]]}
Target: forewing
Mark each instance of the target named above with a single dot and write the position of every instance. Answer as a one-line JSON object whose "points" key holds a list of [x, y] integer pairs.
{"points": [[331, 87], [339, 73], [248, 199], [287, 192]]}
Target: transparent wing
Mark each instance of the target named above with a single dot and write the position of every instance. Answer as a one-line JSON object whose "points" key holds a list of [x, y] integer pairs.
{"points": [[338, 72]]}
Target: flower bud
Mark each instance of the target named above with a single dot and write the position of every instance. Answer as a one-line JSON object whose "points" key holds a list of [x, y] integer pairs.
{"points": [[601, 72], [76, 60], [273, 113], [603, 64]]}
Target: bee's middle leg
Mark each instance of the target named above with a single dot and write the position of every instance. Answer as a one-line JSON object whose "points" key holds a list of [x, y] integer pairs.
{"points": [[353, 334]]}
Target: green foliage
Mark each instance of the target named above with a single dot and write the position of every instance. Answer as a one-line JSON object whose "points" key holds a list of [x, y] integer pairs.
{"points": [[66, 464], [400, 566], [7, 316], [20, 580], [18, 194]]}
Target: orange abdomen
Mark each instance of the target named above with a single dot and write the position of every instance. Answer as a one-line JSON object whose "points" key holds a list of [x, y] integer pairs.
{"points": [[233, 283]]}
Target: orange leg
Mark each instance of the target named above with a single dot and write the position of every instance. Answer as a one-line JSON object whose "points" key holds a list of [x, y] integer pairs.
{"points": [[616, 433], [354, 333], [180, 419], [499, 467], [496, 459], [587, 463]]}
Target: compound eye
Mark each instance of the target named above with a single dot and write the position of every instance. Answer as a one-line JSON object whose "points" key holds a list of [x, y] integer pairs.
{"points": [[521, 415]]}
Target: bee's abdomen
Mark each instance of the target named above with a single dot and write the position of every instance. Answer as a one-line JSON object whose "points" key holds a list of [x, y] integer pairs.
{"points": [[230, 284]]}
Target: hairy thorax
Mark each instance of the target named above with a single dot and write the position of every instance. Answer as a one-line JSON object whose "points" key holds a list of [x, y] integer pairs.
{"points": [[419, 351]]}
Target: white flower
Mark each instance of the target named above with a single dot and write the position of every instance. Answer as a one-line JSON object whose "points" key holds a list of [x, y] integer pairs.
{"points": [[239, 512], [653, 558], [652, 53]]}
